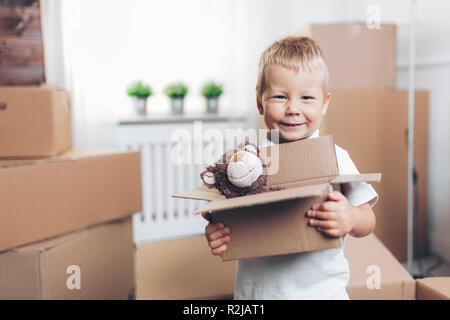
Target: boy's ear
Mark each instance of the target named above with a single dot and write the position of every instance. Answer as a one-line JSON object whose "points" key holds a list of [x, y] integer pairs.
{"points": [[326, 103], [259, 105]]}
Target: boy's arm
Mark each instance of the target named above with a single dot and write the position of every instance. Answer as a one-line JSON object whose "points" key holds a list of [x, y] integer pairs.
{"points": [[365, 221], [337, 217]]}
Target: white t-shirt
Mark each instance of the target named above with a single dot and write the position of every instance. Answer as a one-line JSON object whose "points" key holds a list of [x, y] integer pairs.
{"points": [[321, 274]]}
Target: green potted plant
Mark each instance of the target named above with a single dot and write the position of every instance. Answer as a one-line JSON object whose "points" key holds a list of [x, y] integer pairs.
{"points": [[212, 91], [139, 92], [176, 92]]}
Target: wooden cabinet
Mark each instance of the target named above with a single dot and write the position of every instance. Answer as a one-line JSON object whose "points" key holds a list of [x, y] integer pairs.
{"points": [[21, 45]]}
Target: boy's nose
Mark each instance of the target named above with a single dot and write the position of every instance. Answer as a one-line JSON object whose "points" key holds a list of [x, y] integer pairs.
{"points": [[293, 108]]}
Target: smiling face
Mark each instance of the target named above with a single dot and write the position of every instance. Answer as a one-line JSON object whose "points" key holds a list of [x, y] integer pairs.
{"points": [[293, 102]]}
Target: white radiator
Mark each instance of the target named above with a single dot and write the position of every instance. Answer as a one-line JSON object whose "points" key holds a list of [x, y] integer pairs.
{"points": [[165, 217]]}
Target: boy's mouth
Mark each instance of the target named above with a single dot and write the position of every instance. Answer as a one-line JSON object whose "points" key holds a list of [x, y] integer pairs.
{"points": [[292, 125]]}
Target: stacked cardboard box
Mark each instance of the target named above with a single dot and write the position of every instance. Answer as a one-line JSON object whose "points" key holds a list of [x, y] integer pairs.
{"points": [[92, 263], [369, 117], [185, 269], [65, 227], [378, 141], [357, 57], [182, 269], [47, 197], [35, 121], [436, 288]]}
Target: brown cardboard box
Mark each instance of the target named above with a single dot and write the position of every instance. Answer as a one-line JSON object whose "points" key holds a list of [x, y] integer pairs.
{"points": [[368, 259], [44, 198], [436, 288], [104, 256], [371, 124], [182, 269], [305, 170], [34, 121], [357, 57], [185, 269]]}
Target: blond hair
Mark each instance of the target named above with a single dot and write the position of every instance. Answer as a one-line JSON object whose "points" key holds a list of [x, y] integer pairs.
{"points": [[292, 53]]}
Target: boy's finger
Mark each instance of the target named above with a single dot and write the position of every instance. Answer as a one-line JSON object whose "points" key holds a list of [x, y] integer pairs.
{"points": [[336, 195], [217, 234], [217, 243], [335, 233], [213, 227], [323, 224], [324, 215], [326, 206], [219, 250]]}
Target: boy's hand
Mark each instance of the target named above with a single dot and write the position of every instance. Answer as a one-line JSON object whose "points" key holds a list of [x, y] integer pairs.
{"points": [[335, 217], [217, 235]]}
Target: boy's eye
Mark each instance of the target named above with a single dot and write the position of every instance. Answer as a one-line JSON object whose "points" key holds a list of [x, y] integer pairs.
{"points": [[279, 97], [307, 98]]}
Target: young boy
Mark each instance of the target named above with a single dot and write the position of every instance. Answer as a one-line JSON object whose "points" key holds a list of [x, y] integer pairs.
{"points": [[292, 95]]}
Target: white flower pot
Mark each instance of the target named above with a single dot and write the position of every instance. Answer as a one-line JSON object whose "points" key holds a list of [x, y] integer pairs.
{"points": [[177, 105], [141, 105], [212, 105]]}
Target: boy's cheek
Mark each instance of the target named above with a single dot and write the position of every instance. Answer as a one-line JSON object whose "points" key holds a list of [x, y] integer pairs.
{"points": [[274, 109]]}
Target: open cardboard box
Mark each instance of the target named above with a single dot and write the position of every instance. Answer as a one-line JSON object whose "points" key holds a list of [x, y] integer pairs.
{"points": [[274, 222]]}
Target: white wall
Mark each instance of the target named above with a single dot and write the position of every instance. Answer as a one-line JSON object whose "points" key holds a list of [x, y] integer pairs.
{"points": [[97, 48]]}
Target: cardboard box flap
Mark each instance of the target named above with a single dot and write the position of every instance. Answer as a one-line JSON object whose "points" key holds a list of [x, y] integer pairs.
{"points": [[300, 160], [204, 193], [265, 197], [346, 178], [201, 193]]}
